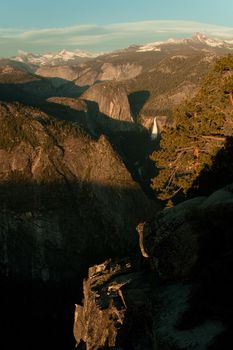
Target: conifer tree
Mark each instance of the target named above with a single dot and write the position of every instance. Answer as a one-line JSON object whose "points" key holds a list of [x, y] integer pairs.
{"points": [[201, 127]]}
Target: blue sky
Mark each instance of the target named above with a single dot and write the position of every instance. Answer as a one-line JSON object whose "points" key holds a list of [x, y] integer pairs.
{"points": [[103, 25]]}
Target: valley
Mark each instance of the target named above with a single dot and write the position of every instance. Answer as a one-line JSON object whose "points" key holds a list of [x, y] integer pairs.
{"points": [[83, 139]]}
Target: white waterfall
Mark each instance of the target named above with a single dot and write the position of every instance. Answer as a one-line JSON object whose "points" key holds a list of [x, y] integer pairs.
{"points": [[154, 133]]}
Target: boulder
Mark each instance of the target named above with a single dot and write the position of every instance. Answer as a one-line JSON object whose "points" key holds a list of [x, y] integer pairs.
{"points": [[114, 314], [190, 250]]}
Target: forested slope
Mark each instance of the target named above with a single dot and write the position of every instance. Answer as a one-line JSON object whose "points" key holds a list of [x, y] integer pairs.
{"points": [[203, 128]]}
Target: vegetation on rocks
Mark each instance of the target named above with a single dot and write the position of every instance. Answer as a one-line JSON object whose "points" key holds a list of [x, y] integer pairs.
{"points": [[26, 124]]}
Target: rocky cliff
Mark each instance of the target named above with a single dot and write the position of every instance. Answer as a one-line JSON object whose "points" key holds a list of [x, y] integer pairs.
{"points": [[119, 72], [85, 74], [115, 309], [181, 295], [63, 72], [164, 73], [189, 248], [130, 140], [111, 99], [66, 201], [71, 194]]}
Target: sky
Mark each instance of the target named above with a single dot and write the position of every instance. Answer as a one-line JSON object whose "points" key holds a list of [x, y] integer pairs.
{"points": [[103, 25]]}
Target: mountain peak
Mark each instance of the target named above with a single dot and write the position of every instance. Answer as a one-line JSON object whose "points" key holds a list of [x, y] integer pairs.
{"points": [[199, 37], [76, 56], [54, 58]]}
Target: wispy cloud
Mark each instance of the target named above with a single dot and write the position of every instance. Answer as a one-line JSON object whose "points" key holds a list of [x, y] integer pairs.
{"points": [[172, 27], [103, 37]]}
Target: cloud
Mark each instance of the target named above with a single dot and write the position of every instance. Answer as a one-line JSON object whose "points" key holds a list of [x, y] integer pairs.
{"points": [[81, 30], [104, 37], [172, 27]]}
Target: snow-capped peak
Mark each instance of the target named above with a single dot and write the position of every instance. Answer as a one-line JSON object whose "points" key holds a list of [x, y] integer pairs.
{"points": [[156, 46], [53, 58], [208, 41], [197, 38]]}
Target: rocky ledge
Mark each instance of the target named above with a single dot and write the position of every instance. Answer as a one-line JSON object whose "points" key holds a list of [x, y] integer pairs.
{"points": [[181, 295], [115, 308]]}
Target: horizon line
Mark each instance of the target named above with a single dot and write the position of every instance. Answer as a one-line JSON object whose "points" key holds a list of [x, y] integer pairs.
{"points": [[104, 38]]}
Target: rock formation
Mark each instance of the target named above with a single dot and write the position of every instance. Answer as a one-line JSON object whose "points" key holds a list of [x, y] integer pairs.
{"points": [[63, 72], [188, 273], [111, 99], [119, 72], [73, 199], [66, 201], [115, 313], [189, 248]]}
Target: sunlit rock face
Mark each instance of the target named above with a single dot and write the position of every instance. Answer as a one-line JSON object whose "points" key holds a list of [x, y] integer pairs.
{"points": [[112, 100], [66, 200], [63, 72], [119, 72], [115, 311]]}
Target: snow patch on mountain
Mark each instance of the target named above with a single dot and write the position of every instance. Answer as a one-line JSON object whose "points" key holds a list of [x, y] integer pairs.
{"points": [[156, 46], [198, 41], [197, 38], [53, 58], [201, 38]]}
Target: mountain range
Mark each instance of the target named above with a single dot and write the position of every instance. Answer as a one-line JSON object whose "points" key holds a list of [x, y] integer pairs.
{"points": [[199, 41], [54, 58], [75, 182], [156, 77]]}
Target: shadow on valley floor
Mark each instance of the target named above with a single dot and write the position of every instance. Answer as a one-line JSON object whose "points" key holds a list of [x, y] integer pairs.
{"points": [[37, 91], [50, 234], [137, 100], [131, 141]]}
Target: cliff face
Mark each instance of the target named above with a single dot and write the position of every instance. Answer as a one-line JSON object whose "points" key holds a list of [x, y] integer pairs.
{"points": [[86, 74], [70, 197], [119, 72], [63, 72], [112, 100], [115, 309], [189, 248], [181, 295], [130, 140]]}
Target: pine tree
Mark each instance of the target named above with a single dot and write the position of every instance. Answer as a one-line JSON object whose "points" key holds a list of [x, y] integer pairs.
{"points": [[201, 127]]}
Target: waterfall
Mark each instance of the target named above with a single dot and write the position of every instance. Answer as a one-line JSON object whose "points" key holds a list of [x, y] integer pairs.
{"points": [[154, 133]]}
